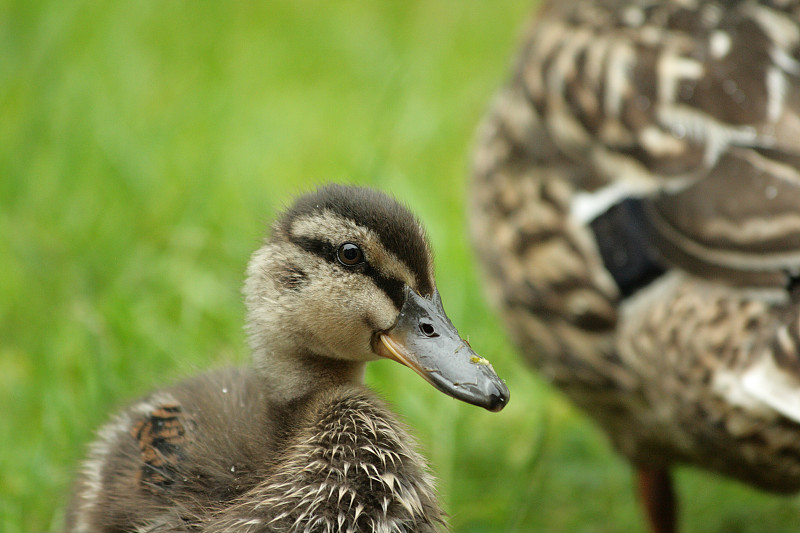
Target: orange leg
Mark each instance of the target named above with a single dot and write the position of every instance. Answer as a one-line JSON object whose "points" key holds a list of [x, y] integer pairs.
{"points": [[658, 498]]}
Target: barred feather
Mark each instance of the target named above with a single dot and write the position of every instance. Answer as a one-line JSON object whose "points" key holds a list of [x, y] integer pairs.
{"points": [[690, 110]]}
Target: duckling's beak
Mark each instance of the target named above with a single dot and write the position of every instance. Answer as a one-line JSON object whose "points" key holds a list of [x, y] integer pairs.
{"points": [[425, 340]]}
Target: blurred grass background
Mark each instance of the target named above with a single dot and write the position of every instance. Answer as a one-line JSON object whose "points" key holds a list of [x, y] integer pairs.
{"points": [[145, 145]]}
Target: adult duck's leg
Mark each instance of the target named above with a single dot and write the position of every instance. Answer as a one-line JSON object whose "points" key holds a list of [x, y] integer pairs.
{"points": [[657, 497]]}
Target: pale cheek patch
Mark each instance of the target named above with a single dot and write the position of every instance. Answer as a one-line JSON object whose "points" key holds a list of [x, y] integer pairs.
{"points": [[347, 314], [362, 303], [379, 309]]}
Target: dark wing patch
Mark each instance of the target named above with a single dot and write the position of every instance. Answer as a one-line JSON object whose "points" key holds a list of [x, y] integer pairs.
{"points": [[161, 438], [625, 245]]}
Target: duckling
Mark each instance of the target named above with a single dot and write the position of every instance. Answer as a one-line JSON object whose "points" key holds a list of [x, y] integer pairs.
{"points": [[296, 442], [635, 203]]}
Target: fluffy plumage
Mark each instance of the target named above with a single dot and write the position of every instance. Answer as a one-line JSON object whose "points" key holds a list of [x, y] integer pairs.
{"points": [[296, 443], [635, 204]]}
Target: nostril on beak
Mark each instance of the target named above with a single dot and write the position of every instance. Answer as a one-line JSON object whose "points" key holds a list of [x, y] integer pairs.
{"points": [[427, 329]]}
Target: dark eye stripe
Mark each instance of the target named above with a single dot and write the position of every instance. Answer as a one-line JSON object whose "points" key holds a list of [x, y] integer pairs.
{"points": [[398, 230], [391, 286], [318, 247]]}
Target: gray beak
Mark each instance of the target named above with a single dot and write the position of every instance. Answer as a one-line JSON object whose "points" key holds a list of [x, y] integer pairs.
{"points": [[425, 340]]}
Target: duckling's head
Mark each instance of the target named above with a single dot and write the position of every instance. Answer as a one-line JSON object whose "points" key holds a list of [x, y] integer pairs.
{"points": [[346, 277]]}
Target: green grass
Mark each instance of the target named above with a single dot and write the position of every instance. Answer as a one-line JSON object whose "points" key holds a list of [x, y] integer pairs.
{"points": [[144, 145]]}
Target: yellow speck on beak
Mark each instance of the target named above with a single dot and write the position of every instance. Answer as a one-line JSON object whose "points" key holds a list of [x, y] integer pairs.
{"points": [[478, 360]]}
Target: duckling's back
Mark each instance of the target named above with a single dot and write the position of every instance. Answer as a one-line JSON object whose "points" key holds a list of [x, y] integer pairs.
{"points": [[212, 454]]}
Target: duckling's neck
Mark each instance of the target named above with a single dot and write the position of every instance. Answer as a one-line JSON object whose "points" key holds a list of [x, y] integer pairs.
{"points": [[289, 377]]}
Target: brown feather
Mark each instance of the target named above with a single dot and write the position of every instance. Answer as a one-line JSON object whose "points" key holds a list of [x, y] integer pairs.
{"points": [[692, 110]]}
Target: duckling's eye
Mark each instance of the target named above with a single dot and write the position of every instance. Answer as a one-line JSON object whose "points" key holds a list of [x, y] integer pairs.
{"points": [[350, 254]]}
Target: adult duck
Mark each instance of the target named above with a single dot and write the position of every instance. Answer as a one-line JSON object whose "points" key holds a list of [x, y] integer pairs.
{"points": [[636, 206]]}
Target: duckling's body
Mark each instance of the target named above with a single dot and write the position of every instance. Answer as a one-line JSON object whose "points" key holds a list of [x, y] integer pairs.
{"points": [[636, 204], [211, 453], [297, 442]]}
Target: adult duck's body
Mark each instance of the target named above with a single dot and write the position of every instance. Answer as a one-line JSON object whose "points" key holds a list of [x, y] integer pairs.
{"points": [[636, 204], [297, 443]]}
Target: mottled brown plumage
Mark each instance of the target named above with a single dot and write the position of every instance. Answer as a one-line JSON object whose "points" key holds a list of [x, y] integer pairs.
{"points": [[296, 443], [636, 206]]}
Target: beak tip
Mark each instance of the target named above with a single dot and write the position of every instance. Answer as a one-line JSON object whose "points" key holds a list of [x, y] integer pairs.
{"points": [[497, 401], [441, 359]]}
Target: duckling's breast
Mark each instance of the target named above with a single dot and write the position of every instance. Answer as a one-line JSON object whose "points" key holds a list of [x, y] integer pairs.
{"points": [[350, 466]]}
